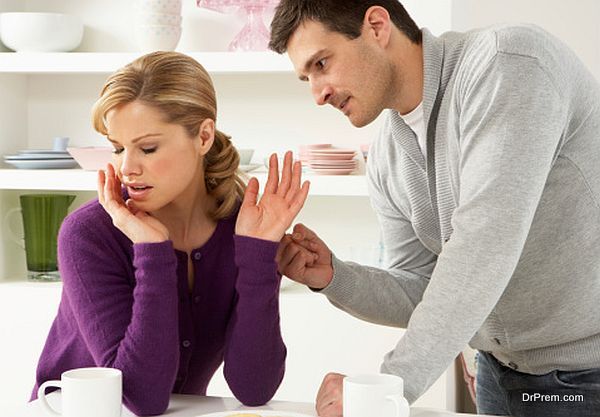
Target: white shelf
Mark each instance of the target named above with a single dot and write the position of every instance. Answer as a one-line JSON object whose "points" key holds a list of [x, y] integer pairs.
{"points": [[108, 62], [79, 180], [24, 283]]}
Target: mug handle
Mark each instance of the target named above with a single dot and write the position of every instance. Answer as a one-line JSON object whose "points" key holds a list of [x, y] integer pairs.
{"points": [[400, 404], [42, 396], [11, 233]]}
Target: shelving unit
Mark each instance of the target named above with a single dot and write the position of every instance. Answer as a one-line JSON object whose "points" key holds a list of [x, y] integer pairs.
{"points": [[107, 62], [80, 180], [262, 105]]}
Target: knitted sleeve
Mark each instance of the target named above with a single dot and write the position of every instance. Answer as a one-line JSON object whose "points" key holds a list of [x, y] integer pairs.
{"points": [[254, 351], [131, 326]]}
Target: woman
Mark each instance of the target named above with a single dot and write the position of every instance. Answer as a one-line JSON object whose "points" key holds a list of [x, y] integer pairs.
{"points": [[172, 270]]}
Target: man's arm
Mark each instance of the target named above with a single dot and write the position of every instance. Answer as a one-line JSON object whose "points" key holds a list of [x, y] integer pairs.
{"points": [[383, 296], [511, 126]]}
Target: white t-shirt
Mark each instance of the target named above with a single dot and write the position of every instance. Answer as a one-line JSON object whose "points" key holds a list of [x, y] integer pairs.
{"points": [[416, 122]]}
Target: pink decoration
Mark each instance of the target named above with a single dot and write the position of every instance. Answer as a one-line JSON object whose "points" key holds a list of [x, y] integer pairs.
{"points": [[254, 36]]}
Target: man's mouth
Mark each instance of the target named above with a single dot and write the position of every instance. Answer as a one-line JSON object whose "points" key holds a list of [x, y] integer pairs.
{"points": [[343, 103]]}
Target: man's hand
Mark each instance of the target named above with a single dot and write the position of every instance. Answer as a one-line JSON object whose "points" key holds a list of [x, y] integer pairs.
{"points": [[305, 258], [329, 397]]}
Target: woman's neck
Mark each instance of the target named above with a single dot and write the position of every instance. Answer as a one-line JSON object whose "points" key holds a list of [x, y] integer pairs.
{"points": [[188, 217]]}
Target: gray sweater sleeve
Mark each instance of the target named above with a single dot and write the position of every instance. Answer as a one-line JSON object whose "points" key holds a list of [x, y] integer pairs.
{"points": [[384, 296], [511, 126]]}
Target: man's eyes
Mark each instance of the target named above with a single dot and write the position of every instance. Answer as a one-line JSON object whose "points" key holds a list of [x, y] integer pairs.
{"points": [[321, 63]]}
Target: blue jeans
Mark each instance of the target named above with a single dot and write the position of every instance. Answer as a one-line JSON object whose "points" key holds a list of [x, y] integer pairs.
{"points": [[502, 391]]}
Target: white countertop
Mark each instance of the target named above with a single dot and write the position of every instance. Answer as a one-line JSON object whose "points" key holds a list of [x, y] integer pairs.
{"points": [[193, 406]]}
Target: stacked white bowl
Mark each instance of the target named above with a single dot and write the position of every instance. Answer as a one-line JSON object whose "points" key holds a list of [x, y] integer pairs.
{"points": [[157, 24]]}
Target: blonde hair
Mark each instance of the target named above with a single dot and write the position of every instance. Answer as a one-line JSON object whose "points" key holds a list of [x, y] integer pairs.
{"points": [[182, 90]]}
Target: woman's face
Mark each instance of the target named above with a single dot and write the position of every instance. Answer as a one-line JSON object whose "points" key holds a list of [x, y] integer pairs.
{"points": [[157, 161]]}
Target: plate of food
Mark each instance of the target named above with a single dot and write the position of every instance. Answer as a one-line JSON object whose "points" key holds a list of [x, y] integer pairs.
{"points": [[256, 413]]}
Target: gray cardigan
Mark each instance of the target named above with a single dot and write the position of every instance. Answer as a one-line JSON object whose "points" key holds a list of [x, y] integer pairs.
{"points": [[494, 239]]}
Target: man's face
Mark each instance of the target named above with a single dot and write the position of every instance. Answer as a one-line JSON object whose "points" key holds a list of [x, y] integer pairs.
{"points": [[354, 75]]}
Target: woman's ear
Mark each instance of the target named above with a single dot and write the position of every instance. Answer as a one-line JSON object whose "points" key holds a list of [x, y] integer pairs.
{"points": [[206, 136]]}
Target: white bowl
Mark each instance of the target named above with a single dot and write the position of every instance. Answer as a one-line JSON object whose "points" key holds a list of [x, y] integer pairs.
{"points": [[159, 6], [40, 32], [161, 19], [92, 158], [245, 156], [157, 37]]}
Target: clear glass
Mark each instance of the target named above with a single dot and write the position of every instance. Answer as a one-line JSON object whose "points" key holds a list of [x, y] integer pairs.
{"points": [[254, 36]]}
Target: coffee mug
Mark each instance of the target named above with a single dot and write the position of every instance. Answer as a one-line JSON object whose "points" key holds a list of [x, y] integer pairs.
{"points": [[86, 392], [377, 395], [42, 215]]}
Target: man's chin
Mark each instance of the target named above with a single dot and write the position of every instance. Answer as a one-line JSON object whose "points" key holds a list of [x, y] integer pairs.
{"points": [[358, 121]]}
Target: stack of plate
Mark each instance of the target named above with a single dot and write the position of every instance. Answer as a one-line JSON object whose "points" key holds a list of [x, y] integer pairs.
{"points": [[304, 151], [41, 159], [332, 161]]}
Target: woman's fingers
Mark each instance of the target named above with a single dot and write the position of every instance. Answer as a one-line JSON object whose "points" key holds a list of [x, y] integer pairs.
{"points": [[251, 193], [108, 197], [298, 202], [100, 186], [273, 177], [295, 183], [286, 175], [116, 185]]}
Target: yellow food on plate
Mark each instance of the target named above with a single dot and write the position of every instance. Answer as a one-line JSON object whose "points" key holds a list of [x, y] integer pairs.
{"points": [[244, 415], [247, 415]]}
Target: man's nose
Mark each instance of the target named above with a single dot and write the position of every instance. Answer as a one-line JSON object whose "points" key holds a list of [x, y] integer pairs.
{"points": [[322, 94]]}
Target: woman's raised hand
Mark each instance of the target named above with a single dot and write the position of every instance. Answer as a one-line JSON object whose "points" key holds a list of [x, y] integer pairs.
{"points": [[280, 203], [137, 225]]}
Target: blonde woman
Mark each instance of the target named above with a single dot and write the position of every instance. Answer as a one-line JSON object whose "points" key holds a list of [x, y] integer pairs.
{"points": [[172, 270]]}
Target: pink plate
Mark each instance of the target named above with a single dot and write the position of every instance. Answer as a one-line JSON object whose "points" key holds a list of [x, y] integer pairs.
{"points": [[314, 146], [330, 157], [333, 150], [333, 171]]}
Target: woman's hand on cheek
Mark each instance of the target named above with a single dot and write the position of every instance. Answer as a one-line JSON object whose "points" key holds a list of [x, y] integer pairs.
{"points": [[279, 205], [137, 225]]}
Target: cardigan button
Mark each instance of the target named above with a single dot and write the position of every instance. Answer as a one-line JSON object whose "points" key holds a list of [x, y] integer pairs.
{"points": [[186, 343], [197, 256]]}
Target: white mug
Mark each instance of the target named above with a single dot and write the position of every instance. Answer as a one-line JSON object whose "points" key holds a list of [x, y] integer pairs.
{"points": [[89, 392], [378, 395]]}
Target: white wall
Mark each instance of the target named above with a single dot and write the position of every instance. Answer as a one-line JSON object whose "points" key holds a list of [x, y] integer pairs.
{"points": [[575, 22]]}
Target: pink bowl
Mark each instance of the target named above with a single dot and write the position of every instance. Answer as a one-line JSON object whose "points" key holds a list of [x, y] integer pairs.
{"points": [[92, 158]]}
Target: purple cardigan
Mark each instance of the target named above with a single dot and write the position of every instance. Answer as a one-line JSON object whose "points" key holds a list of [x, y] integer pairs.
{"points": [[129, 307]]}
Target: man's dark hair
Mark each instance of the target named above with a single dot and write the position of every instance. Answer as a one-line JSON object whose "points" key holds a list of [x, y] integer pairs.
{"points": [[342, 16]]}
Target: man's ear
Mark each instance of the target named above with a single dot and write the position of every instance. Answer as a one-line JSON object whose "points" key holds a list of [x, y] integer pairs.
{"points": [[378, 25], [206, 136]]}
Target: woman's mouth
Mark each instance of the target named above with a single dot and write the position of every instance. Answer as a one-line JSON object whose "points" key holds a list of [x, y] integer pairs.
{"points": [[138, 192]]}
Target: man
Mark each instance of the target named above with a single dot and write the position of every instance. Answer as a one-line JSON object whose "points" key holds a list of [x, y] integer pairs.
{"points": [[486, 182]]}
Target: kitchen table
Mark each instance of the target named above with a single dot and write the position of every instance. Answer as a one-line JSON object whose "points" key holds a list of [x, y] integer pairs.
{"points": [[193, 406]]}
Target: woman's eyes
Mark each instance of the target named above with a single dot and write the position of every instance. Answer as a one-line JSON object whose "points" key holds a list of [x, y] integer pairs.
{"points": [[147, 151], [321, 63]]}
